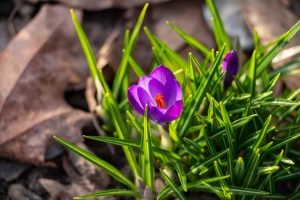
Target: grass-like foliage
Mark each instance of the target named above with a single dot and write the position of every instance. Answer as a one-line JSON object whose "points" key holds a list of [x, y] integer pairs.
{"points": [[235, 142]]}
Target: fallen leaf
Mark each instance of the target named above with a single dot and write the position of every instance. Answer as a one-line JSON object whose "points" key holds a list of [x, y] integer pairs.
{"points": [[10, 170], [110, 53], [59, 191], [85, 178], [186, 15], [86, 173], [4, 37], [271, 19], [36, 68], [17, 191], [293, 5], [102, 5]]}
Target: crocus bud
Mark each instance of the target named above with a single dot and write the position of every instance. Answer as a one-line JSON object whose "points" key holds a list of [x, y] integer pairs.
{"points": [[230, 64]]}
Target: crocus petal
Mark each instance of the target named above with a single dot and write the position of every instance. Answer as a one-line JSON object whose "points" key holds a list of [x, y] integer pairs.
{"points": [[156, 88], [155, 113], [162, 74], [161, 92], [178, 92], [144, 97], [134, 99], [144, 82], [173, 113], [230, 64], [170, 92], [167, 91]]}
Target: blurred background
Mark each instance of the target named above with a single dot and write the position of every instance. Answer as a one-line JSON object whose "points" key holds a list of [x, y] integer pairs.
{"points": [[45, 89]]}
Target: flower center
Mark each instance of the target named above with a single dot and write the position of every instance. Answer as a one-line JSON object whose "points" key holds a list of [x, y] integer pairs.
{"points": [[160, 101]]}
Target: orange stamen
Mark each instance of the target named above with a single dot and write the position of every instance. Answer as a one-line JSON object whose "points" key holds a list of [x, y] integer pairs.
{"points": [[160, 101]]}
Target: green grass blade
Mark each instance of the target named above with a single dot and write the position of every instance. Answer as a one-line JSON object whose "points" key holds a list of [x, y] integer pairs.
{"points": [[209, 160], [275, 197], [236, 124], [239, 169], [121, 130], [262, 134], [200, 186], [284, 141], [167, 190], [88, 52], [135, 123], [190, 40], [130, 143], [124, 62], [181, 175], [294, 196], [251, 75], [288, 176], [220, 33], [108, 168], [216, 191], [264, 61], [279, 102], [191, 74], [223, 182], [230, 138], [187, 115], [256, 40], [165, 54], [288, 69], [172, 185], [146, 155], [269, 176], [272, 83], [107, 193], [251, 170], [114, 140], [267, 170], [136, 68], [247, 191]]}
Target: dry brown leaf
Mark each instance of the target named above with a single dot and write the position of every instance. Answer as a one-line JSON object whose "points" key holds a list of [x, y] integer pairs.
{"points": [[59, 191], [85, 178], [110, 53], [271, 19], [35, 69], [185, 14], [106, 4]]}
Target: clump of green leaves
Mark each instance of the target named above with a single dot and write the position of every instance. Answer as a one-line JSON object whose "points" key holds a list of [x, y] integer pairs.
{"points": [[235, 143]]}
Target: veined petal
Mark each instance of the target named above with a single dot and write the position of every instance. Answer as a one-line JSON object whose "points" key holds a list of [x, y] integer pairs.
{"points": [[161, 91], [133, 99], [162, 74], [155, 114], [144, 82], [144, 97], [156, 88], [173, 113], [170, 92], [178, 92]]}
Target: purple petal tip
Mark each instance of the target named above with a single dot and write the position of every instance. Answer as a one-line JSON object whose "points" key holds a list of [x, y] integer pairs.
{"points": [[161, 91]]}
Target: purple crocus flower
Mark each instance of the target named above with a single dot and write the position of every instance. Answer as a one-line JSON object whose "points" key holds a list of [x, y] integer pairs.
{"points": [[231, 66], [161, 91]]}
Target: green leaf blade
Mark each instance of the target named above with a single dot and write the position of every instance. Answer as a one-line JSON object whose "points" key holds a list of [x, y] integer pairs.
{"points": [[108, 168]]}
